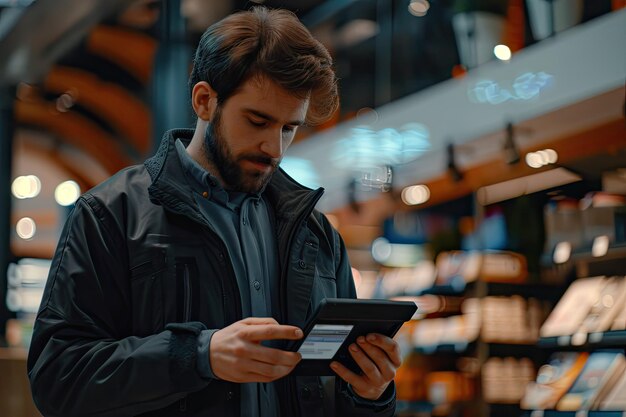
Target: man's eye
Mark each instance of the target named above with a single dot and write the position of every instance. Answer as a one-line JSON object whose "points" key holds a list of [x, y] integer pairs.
{"points": [[289, 129], [257, 123]]}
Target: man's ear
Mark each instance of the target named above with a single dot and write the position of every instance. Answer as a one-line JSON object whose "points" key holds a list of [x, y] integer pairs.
{"points": [[204, 100]]}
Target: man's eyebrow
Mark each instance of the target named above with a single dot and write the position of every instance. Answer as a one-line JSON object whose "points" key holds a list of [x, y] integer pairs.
{"points": [[272, 119]]}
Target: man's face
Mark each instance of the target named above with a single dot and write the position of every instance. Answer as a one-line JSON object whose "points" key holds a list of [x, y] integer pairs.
{"points": [[250, 132]]}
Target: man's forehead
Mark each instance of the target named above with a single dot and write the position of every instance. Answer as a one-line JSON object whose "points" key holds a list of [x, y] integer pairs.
{"points": [[264, 97]]}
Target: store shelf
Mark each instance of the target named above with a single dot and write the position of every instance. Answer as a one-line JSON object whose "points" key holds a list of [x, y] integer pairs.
{"points": [[428, 409], [444, 290], [616, 338], [504, 409], [499, 348], [459, 347], [495, 288], [580, 413], [526, 290]]}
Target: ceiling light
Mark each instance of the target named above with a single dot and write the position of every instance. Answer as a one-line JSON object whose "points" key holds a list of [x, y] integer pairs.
{"points": [[26, 228], [67, 193], [533, 160], [381, 250], [64, 102], [416, 194], [26, 186], [366, 148], [419, 8], [552, 156], [502, 52], [541, 158], [562, 252], [600, 246]]}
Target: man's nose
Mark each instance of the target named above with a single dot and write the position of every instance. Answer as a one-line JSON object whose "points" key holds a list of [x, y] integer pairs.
{"points": [[272, 145]]}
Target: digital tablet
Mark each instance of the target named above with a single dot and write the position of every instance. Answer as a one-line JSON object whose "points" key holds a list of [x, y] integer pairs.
{"points": [[337, 323]]}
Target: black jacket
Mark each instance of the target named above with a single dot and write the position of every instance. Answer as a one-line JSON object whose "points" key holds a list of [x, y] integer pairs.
{"points": [[138, 273]]}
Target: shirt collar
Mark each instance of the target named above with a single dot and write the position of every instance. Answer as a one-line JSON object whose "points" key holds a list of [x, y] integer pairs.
{"points": [[207, 185]]}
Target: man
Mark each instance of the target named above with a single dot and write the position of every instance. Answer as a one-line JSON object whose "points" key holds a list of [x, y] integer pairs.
{"points": [[171, 278]]}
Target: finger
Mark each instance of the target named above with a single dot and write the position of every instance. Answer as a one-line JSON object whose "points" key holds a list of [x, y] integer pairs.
{"points": [[260, 332], [366, 364], [387, 344], [270, 372], [249, 370], [380, 358], [274, 356], [258, 320], [357, 381]]}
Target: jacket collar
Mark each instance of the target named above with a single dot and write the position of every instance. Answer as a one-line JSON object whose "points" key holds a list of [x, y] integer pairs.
{"points": [[170, 188]]}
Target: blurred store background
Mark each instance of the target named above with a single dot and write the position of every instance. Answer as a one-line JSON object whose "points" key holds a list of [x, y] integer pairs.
{"points": [[477, 165]]}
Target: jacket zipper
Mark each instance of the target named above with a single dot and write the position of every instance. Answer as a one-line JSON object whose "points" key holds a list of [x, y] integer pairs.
{"points": [[292, 390], [285, 266], [187, 294], [182, 403]]}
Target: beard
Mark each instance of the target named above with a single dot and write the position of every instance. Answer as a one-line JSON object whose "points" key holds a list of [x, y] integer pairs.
{"points": [[235, 178]]}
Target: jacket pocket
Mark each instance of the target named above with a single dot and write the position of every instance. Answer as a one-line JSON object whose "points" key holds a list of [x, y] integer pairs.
{"points": [[326, 286], [186, 289], [147, 292]]}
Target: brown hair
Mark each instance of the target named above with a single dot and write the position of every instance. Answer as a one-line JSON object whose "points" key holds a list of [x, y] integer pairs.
{"points": [[272, 43]]}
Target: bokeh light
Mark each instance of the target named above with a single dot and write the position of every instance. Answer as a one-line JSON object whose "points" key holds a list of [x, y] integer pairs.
{"points": [[26, 186], [67, 193], [415, 194], [502, 52], [26, 228]]}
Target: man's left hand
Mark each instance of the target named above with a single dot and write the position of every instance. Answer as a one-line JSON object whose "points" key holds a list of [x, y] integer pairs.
{"points": [[378, 357]]}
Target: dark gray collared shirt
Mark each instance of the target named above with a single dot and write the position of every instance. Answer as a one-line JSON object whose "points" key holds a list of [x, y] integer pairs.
{"points": [[242, 221]]}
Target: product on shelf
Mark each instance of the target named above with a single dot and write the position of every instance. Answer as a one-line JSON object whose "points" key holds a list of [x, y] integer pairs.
{"points": [[619, 323], [606, 307], [413, 280], [503, 266], [599, 212], [573, 308], [456, 268], [615, 399], [26, 280], [597, 377], [448, 387], [553, 380], [511, 319], [410, 383], [504, 379], [563, 223], [454, 330]]}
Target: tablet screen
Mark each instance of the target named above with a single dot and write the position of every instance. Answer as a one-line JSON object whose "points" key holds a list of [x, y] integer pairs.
{"points": [[324, 340]]}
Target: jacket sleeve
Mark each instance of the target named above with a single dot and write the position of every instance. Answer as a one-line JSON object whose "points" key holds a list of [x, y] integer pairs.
{"points": [[347, 403], [83, 360]]}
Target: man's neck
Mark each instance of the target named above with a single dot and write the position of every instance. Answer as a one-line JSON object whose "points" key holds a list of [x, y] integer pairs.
{"points": [[198, 153]]}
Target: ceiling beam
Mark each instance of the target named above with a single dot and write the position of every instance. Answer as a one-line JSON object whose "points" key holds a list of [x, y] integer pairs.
{"points": [[74, 130], [131, 50], [37, 40], [124, 112]]}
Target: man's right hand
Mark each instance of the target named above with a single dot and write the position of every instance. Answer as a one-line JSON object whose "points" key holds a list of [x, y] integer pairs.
{"points": [[236, 353]]}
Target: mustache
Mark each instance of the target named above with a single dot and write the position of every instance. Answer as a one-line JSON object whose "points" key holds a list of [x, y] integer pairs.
{"points": [[262, 159]]}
